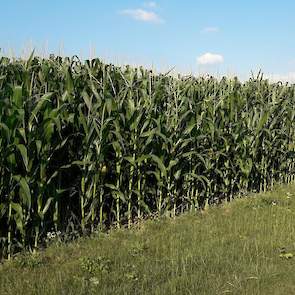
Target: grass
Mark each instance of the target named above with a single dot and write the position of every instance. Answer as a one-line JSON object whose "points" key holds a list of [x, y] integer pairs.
{"points": [[243, 247]]}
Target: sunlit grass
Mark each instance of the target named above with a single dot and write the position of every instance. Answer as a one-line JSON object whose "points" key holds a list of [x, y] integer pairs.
{"points": [[243, 247]]}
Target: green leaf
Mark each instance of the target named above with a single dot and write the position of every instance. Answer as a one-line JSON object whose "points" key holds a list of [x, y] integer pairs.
{"points": [[17, 208], [47, 205], [262, 121], [160, 165], [111, 186], [38, 146], [87, 100], [11, 159], [172, 163], [54, 174], [17, 97], [24, 192], [131, 160], [22, 133], [45, 98], [6, 130], [23, 150], [18, 217], [3, 210], [29, 61], [69, 81]]}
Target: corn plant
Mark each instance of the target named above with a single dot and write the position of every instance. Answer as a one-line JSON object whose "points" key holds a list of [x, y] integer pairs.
{"points": [[89, 144]]}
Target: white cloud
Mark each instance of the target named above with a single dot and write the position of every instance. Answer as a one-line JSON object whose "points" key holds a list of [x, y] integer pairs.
{"points": [[142, 15], [150, 4], [210, 59], [288, 77], [210, 30]]}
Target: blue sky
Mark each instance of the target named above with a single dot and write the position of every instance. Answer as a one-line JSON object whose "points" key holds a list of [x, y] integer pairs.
{"points": [[221, 37]]}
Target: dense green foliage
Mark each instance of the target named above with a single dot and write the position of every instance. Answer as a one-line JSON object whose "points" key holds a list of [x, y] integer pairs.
{"points": [[243, 247], [85, 145]]}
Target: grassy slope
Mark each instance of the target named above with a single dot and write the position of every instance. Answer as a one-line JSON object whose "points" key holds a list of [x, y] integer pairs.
{"points": [[234, 249]]}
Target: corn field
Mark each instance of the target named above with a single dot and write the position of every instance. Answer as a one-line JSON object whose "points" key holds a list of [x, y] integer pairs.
{"points": [[84, 145]]}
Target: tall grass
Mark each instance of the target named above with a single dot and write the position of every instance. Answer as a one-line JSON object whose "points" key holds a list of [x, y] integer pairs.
{"points": [[84, 144]]}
